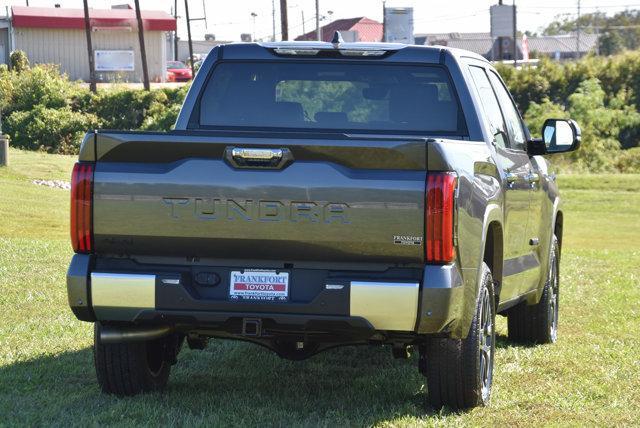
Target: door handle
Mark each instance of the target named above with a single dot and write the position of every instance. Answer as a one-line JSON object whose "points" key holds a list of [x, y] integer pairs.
{"points": [[511, 177], [532, 177]]}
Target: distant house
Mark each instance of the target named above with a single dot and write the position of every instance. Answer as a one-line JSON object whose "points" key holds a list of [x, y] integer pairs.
{"points": [[557, 47], [442, 38], [352, 29], [5, 39], [562, 46]]}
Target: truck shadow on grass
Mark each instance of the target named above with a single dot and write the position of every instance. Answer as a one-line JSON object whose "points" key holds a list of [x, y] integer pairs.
{"points": [[229, 383], [503, 342]]}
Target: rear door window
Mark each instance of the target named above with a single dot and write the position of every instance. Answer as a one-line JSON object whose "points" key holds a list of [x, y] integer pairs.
{"points": [[329, 96], [511, 116], [490, 106]]}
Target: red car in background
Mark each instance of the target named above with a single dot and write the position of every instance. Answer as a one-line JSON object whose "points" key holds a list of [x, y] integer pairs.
{"points": [[178, 72]]}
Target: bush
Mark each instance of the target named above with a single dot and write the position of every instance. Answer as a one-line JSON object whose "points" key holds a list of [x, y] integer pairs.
{"points": [[44, 110], [601, 94], [602, 126], [55, 130], [538, 113], [152, 110], [176, 95], [6, 89], [629, 161], [126, 108], [19, 61], [162, 117], [42, 85]]}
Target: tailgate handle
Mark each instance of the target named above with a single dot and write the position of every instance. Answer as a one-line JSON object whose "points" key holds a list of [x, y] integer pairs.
{"points": [[265, 155], [251, 157]]}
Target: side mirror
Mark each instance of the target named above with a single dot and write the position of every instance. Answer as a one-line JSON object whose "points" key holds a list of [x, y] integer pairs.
{"points": [[560, 135]]}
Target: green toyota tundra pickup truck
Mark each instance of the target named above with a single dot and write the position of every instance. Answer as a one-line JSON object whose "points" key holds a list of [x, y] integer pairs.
{"points": [[314, 195]]}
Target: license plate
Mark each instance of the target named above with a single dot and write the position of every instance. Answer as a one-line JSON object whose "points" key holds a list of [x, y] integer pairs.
{"points": [[259, 285]]}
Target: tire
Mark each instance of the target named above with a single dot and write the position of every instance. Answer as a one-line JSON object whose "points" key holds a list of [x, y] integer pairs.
{"points": [[459, 372], [131, 368], [531, 324]]}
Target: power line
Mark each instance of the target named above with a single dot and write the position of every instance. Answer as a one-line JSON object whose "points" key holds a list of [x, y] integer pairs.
{"points": [[295, 27], [584, 7], [452, 16]]}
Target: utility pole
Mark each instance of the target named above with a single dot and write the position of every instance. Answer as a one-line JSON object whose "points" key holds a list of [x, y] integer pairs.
{"points": [[303, 31], [175, 36], [515, 33], [578, 33], [318, 32], [597, 32], [173, 33], [186, 13], [284, 22], [204, 18], [253, 15], [500, 47], [143, 51], [92, 65], [384, 21], [273, 20]]}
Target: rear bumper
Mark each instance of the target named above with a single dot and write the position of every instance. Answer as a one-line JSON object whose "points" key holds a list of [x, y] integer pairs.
{"points": [[317, 328], [358, 304]]}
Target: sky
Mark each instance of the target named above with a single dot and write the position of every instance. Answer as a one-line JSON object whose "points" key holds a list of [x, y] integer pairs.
{"points": [[227, 19]]}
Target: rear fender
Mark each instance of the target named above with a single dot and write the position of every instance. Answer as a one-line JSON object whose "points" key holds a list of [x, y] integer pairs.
{"points": [[472, 275], [493, 214], [534, 298], [478, 203]]}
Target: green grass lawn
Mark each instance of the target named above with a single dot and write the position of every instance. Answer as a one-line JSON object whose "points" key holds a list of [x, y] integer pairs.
{"points": [[590, 377]]}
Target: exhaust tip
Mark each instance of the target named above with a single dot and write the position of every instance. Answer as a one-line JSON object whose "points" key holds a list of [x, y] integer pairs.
{"points": [[111, 334]]}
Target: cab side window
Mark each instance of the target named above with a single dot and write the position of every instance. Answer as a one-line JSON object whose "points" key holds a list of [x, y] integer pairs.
{"points": [[511, 116], [490, 106]]}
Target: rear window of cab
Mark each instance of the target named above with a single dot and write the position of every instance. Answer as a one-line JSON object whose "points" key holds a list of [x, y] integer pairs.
{"points": [[385, 98]]}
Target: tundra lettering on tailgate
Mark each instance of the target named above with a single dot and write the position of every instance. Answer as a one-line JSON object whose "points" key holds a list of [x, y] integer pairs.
{"points": [[260, 210]]}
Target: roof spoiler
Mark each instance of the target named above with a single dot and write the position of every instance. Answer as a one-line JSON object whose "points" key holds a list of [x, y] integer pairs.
{"points": [[337, 45]]}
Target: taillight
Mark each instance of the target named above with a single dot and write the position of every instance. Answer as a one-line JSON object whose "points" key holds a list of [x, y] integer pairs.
{"points": [[440, 193], [81, 207]]}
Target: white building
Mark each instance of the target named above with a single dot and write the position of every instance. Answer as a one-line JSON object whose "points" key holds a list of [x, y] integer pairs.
{"points": [[57, 36]]}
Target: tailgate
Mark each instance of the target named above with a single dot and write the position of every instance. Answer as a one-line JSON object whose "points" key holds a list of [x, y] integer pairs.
{"points": [[327, 200]]}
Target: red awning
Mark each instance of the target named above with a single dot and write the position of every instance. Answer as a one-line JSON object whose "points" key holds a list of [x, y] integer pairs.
{"points": [[47, 17]]}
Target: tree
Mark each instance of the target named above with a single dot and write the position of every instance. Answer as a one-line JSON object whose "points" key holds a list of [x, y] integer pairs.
{"points": [[610, 43], [618, 32], [588, 24]]}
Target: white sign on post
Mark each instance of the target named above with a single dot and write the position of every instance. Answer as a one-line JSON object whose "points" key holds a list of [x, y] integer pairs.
{"points": [[398, 23], [114, 61], [501, 20]]}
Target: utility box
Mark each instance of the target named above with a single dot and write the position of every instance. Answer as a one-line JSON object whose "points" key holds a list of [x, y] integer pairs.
{"points": [[4, 150]]}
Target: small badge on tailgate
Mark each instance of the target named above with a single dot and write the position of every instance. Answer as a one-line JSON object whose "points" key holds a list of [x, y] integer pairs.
{"points": [[259, 285], [407, 240]]}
